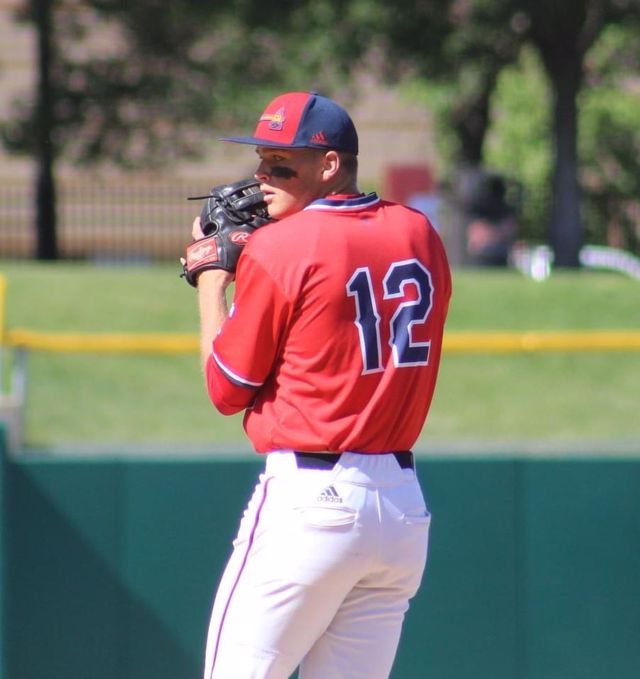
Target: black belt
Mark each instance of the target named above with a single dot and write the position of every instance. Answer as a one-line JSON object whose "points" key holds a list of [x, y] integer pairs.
{"points": [[328, 460]]}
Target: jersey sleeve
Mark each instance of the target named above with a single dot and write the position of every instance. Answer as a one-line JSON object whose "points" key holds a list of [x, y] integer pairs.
{"points": [[246, 347]]}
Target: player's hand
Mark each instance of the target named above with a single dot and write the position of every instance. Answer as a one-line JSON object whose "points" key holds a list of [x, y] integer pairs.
{"points": [[218, 278], [196, 229], [230, 215]]}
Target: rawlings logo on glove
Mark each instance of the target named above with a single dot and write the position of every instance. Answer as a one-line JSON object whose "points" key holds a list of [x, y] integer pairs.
{"points": [[201, 252], [239, 238], [231, 213]]}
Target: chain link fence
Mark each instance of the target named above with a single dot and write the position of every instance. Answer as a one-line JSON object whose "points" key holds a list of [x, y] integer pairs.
{"points": [[113, 219], [146, 219]]}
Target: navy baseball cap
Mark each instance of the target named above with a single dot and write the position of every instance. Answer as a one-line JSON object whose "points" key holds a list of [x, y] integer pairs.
{"points": [[303, 120]]}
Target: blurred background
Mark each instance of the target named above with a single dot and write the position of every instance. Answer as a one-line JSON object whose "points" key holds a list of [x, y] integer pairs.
{"points": [[513, 124], [498, 109]]}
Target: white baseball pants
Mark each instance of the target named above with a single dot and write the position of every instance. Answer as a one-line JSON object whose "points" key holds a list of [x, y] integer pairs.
{"points": [[322, 571]]}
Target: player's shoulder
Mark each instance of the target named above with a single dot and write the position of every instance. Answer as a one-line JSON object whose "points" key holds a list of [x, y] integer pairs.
{"points": [[404, 210], [418, 224], [410, 218], [284, 233]]}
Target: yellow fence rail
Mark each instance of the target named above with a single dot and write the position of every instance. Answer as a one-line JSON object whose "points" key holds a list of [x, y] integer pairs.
{"points": [[3, 292], [148, 343], [538, 341], [454, 342], [186, 343]]}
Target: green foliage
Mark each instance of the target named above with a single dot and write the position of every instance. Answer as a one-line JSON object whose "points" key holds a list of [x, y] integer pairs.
{"points": [[475, 59], [111, 70], [143, 83], [140, 84], [519, 139], [438, 98], [610, 138], [460, 48]]}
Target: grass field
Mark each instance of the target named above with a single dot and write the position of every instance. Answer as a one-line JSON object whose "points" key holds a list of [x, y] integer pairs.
{"points": [[492, 400]]}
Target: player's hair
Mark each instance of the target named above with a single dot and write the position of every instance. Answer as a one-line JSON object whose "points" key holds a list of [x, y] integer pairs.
{"points": [[349, 163]]}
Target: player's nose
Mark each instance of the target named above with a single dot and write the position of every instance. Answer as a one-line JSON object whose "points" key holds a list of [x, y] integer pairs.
{"points": [[261, 174]]}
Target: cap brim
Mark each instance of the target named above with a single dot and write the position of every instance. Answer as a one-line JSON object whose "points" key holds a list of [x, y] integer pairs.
{"points": [[255, 141]]}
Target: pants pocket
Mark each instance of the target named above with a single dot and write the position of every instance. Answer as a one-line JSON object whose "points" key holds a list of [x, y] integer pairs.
{"points": [[326, 517], [419, 517]]}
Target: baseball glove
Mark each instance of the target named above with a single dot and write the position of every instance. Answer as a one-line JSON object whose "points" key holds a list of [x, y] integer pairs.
{"points": [[231, 213]]}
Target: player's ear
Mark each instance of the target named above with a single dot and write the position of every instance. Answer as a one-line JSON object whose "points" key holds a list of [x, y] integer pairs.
{"points": [[331, 165]]}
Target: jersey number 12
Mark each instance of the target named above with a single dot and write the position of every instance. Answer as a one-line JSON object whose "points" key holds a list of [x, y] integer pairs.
{"points": [[406, 352]]}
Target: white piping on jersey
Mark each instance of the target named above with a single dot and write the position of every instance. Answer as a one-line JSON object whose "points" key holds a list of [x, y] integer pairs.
{"points": [[233, 376], [357, 203]]}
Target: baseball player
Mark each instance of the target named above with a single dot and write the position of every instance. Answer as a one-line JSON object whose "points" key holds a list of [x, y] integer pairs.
{"points": [[331, 348]]}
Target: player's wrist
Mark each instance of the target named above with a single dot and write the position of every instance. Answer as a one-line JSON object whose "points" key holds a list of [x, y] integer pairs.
{"points": [[213, 279]]}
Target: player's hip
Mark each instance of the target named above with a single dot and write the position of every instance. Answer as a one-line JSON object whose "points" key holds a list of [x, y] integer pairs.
{"points": [[362, 490], [375, 469]]}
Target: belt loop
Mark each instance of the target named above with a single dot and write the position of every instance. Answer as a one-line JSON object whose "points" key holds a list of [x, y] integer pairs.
{"points": [[405, 459]]}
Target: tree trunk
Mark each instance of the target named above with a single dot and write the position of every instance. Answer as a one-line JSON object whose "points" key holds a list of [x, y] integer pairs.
{"points": [[47, 247], [470, 120], [565, 229]]}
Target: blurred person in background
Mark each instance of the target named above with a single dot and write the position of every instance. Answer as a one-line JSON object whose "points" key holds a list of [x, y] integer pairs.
{"points": [[492, 227]]}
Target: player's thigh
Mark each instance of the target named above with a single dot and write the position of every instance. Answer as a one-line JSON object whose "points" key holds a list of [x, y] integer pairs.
{"points": [[294, 580], [267, 636], [362, 639], [287, 590]]}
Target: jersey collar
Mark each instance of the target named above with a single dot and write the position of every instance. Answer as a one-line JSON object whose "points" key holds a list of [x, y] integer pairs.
{"points": [[344, 202]]}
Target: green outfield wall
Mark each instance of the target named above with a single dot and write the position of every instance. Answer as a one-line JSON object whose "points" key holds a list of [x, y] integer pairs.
{"points": [[108, 567]]}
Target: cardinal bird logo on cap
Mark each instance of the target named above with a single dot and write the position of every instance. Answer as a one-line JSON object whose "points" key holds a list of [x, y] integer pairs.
{"points": [[275, 120]]}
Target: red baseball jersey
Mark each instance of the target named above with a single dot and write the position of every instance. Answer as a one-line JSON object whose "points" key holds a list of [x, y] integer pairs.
{"points": [[333, 339]]}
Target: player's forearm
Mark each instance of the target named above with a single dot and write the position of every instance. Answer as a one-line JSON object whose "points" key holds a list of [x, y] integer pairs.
{"points": [[212, 300]]}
